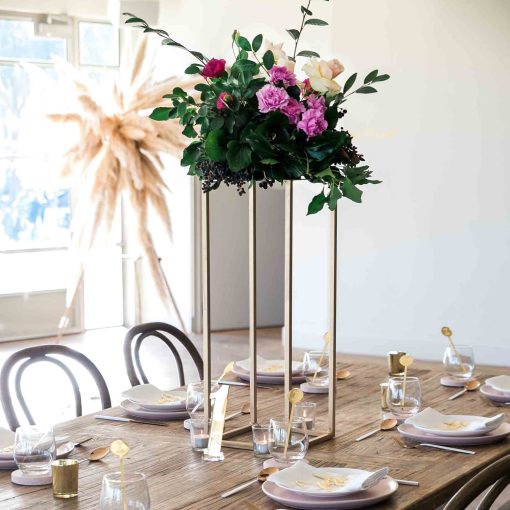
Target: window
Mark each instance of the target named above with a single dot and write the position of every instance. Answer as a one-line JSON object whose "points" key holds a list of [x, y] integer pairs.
{"points": [[35, 209]]}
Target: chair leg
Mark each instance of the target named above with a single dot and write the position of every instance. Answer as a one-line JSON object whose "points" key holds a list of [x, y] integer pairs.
{"points": [[492, 494]]}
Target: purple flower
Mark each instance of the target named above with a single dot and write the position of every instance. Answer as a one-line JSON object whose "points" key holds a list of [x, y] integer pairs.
{"points": [[312, 123], [316, 103], [293, 110], [271, 98], [281, 74]]}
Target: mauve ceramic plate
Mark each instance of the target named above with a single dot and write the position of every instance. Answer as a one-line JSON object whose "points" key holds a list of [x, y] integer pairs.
{"points": [[8, 465], [383, 490], [265, 379], [493, 436], [136, 411], [494, 394]]}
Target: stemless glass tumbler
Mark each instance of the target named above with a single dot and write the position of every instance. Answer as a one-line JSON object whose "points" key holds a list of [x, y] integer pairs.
{"points": [[125, 491], [459, 362], [404, 398], [296, 441], [34, 449], [316, 368]]}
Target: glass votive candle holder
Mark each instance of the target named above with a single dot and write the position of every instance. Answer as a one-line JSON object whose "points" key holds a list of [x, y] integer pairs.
{"points": [[307, 411], [199, 433], [316, 368], [260, 440], [64, 475]]}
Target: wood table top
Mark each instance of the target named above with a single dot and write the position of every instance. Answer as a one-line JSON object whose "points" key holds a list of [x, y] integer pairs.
{"points": [[179, 479]]}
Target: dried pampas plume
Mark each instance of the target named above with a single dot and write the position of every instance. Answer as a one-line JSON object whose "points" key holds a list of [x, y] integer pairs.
{"points": [[117, 151]]}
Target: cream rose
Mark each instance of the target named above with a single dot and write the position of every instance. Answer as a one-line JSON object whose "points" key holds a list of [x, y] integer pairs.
{"points": [[336, 67], [321, 76], [277, 50]]}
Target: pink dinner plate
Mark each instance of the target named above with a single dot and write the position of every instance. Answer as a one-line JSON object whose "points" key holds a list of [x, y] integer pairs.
{"points": [[383, 490], [136, 411], [493, 436], [265, 379], [494, 394]]}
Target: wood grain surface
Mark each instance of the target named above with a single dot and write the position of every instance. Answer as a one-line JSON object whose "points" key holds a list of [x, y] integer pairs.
{"points": [[179, 478]]}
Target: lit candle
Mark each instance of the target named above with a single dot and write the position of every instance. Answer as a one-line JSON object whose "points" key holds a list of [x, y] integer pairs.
{"points": [[200, 441], [261, 447]]}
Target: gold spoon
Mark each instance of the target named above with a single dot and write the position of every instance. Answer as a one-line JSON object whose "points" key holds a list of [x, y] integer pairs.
{"points": [[388, 424], [245, 409], [120, 449], [97, 454], [406, 361], [295, 396], [342, 374], [228, 369], [261, 477], [447, 332], [471, 385]]}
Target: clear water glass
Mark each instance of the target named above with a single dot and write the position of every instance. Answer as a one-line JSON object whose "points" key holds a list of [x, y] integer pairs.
{"points": [[34, 449], [195, 399], [297, 442], [460, 364], [316, 368], [129, 492], [401, 405]]}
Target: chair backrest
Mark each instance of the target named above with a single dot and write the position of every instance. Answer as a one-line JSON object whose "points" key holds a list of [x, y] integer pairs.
{"points": [[164, 332], [37, 354], [496, 473]]}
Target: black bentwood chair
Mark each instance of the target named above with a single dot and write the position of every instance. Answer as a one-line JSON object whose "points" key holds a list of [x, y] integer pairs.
{"points": [[45, 353], [166, 333], [496, 474]]}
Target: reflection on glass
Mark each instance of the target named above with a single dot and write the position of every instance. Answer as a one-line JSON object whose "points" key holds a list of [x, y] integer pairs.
{"points": [[129, 492], [99, 44]]}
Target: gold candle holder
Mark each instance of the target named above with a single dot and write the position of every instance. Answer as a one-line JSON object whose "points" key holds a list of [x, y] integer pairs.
{"points": [[384, 394], [64, 474], [395, 368]]}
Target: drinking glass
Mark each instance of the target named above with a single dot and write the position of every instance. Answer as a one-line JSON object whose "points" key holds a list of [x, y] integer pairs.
{"points": [[128, 492], [34, 449], [297, 443], [404, 406], [461, 366], [195, 399], [316, 368], [199, 433]]}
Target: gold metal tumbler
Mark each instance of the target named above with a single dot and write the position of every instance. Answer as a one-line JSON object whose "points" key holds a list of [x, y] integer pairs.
{"points": [[394, 366], [64, 473]]}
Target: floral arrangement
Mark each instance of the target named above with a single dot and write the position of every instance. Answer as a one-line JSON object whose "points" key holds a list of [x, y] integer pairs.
{"points": [[256, 122]]}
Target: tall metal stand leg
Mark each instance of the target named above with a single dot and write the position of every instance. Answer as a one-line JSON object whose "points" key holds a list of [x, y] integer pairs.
{"points": [[206, 298], [332, 322], [289, 234], [252, 256]]}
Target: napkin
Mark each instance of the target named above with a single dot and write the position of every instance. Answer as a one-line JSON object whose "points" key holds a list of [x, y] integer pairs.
{"points": [[434, 422], [274, 367], [301, 477], [500, 383], [149, 394]]}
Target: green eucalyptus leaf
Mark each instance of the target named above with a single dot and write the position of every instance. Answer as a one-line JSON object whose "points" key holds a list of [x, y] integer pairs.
{"points": [[304, 10], [181, 109], [370, 76], [293, 33], [382, 77], [191, 153], [238, 155], [217, 122], [192, 69], [269, 161], [366, 90], [189, 131], [316, 22], [215, 145], [268, 59], [161, 113], [135, 20], [334, 195], [178, 92], [198, 55], [243, 43], [202, 87], [317, 203], [350, 191], [257, 42], [308, 53], [350, 82]]}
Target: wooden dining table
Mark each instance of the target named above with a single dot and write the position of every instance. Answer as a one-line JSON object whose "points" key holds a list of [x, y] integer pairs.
{"points": [[178, 478]]}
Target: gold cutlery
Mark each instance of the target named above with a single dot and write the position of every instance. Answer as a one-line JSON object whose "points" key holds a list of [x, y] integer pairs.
{"points": [[262, 477], [388, 424], [342, 374], [96, 454], [326, 343], [130, 420], [407, 482], [414, 444], [447, 332], [470, 385], [406, 361], [295, 396]]}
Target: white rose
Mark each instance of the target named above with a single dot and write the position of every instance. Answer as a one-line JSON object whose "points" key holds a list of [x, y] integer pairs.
{"points": [[321, 76]]}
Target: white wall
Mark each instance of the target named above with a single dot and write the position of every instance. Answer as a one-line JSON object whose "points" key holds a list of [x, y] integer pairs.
{"points": [[430, 246]]}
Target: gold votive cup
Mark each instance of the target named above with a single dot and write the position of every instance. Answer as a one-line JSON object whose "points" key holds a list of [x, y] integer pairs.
{"points": [[384, 393], [394, 366], [64, 473]]}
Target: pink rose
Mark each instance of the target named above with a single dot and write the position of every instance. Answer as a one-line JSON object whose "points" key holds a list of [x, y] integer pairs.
{"points": [[316, 103], [214, 68], [271, 98], [293, 110], [312, 123], [223, 99], [280, 74]]}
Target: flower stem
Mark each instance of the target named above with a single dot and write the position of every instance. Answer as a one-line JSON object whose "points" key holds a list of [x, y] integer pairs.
{"points": [[301, 30]]}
